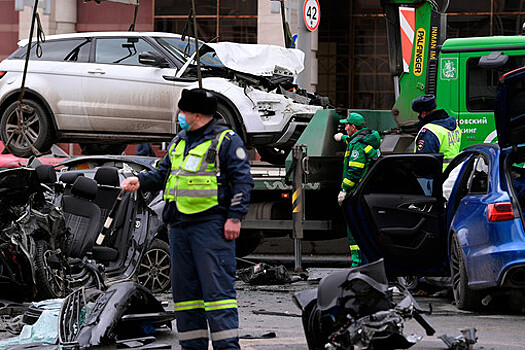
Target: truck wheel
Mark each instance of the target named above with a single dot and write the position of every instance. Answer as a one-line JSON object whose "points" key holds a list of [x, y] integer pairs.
{"points": [[155, 267], [464, 297], [247, 242], [35, 129], [100, 148], [50, 274]]}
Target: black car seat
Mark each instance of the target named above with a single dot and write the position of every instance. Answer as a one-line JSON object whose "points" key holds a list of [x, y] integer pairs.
{"points": [[68, 179], [82, 216], [108, 182], [46, 174]]}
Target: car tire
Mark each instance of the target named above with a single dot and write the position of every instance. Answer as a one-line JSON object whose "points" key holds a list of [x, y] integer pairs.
{"points": [[36, 131], [50, 274], [226, 116], [101, 149], [155, 267], [464, 297], [316, 337]]}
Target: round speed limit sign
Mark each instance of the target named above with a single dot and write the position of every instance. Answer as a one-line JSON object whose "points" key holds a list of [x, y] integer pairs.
{"points": [[311, 14]]}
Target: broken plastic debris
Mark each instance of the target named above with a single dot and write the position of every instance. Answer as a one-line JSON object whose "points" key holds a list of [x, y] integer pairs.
{"points": [[462, 342]]}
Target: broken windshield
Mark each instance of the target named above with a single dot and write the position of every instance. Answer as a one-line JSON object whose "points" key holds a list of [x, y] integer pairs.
{"points": [[182, 50]]}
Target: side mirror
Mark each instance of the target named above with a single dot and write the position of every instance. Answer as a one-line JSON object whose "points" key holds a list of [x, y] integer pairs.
{"points": [[493, 60], [149, 58]]}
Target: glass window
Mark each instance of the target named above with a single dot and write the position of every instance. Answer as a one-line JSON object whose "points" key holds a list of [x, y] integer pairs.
{"points": [[237, 7], [406, 175], [121, 50], [73, 50], [483, 82], [184, 49], [238, 30], [170, 7], [478, 182]]}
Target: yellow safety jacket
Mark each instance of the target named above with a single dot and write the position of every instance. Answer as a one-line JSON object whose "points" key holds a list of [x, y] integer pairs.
{"points": [[192, 183], [449, 141]]}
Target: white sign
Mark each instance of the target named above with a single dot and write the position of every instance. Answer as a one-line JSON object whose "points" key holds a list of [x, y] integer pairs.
{"points": [[311, 14]]}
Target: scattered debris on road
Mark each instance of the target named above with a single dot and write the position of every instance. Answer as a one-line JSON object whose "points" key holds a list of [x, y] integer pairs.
{"points": [[461, 342], [355, 307]]}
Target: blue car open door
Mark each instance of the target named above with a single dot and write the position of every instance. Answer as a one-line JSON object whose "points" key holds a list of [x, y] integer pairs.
{"points": [[397, 213]]}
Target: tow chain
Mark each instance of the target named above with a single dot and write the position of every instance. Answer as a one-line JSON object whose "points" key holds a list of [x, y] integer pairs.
{"points": [[40, 37]]}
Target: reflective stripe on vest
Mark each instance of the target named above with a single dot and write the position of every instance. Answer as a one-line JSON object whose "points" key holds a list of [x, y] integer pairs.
{"points": [[449, 141], [192, 182]]}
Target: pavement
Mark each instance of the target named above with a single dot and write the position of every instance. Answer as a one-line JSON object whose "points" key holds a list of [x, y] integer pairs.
{"points": [[269, 320]]}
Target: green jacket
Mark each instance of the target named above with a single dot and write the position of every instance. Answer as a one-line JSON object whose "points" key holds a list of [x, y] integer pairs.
{"points": [[362, 147]]}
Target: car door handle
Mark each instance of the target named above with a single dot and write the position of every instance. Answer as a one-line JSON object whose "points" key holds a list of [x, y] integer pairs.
{"points": [[96, 71], [422, 207]]}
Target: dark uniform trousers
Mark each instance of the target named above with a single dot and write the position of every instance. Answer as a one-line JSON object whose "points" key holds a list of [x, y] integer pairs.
{"points": [[203, 277]]}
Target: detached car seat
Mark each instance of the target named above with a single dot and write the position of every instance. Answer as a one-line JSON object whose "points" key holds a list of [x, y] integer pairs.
{"points": [[82, 216]]}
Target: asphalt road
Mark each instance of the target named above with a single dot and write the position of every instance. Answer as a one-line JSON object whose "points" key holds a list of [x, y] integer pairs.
{"points": [[269, 320]]}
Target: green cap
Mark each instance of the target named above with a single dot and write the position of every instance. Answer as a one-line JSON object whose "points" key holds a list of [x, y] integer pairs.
{"points": [[354, 118]]}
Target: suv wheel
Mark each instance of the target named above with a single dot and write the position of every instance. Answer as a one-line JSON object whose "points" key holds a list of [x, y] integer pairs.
{"points": [[34, 132]]}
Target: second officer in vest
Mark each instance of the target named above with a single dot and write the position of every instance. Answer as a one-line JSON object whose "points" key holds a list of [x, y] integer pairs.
{"points": [[438, 131], [207, 183]]}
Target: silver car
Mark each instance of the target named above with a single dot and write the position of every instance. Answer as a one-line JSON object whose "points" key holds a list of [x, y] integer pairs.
{"points": [[108, 89]]}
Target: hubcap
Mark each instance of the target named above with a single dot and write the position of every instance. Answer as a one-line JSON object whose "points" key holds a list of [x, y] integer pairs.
{"points": [[154, 272], [25, 134]]}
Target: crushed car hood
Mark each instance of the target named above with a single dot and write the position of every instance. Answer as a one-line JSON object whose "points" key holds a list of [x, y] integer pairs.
{"points": [[259, 59]]}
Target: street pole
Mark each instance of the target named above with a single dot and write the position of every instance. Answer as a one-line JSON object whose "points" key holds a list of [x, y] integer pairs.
{"points": [[299, 154], [304, 43]]}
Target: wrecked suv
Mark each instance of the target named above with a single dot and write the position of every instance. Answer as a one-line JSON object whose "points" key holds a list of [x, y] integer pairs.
{"points": [[114, 88]]}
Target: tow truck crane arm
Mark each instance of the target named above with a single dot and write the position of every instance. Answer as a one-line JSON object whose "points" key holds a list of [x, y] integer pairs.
{"points": [[415, 31]]}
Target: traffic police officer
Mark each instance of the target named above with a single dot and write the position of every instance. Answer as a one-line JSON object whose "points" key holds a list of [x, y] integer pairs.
{"points": [[439, 132], [207, 184], [362, 146]]}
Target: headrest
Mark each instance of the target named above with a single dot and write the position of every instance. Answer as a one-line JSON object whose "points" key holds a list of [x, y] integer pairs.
{"points": [[46, 173], [84, 187], [107, 176], [69, 178]]}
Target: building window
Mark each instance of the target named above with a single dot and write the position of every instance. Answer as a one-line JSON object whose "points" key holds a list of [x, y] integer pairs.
{"points": [[353, 47], [229, 20]]}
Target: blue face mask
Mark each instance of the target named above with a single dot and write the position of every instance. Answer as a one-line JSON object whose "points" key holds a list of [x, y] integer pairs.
{"points": [[182, 122]]}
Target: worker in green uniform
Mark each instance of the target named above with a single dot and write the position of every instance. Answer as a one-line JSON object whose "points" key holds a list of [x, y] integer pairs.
{"points": [[362, 147]]}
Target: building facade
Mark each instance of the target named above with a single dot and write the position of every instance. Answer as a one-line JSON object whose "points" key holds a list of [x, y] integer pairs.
{"points": [[349, 55]]}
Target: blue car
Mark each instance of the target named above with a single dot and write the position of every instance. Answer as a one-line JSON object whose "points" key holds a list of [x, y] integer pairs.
{"points": [[466, 223]]}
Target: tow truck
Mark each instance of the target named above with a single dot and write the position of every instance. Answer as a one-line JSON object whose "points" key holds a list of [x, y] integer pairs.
{"points": [[463, 74]]}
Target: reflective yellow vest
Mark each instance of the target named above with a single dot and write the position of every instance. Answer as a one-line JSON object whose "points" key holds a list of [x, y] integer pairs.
{"points": [[449, 141], [192, 182]]}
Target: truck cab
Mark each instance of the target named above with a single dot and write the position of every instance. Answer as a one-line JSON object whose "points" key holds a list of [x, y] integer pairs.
{"points": [[468, 74]]}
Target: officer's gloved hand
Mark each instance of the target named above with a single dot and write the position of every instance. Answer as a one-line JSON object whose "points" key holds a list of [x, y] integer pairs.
{"points": [[338, 137], [341, 197]]}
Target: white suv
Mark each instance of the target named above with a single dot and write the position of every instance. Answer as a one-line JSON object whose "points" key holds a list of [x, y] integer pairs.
{"points": [[108, 89]]}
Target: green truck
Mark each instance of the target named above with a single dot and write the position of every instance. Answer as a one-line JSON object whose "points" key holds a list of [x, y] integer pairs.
{"points": [[463, 74]]}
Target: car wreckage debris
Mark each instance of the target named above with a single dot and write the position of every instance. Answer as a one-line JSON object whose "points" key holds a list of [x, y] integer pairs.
{"points": [[355, 307], [103, 323], [462, 342], [264, 274]]}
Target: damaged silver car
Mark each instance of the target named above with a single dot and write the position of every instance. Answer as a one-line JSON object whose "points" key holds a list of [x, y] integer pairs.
{"points": [[123, 87]]}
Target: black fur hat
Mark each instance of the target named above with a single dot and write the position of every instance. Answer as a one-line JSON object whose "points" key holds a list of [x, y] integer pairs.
{"points": [[424, 103], [198, 101]]}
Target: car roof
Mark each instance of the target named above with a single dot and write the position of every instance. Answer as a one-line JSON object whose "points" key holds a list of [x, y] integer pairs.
{"points": [[104, 34]]}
